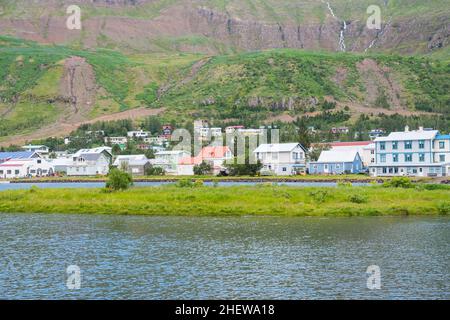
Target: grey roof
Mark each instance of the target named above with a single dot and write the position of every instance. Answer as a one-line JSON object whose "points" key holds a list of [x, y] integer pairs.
{"points": [[337, 156], [409, 135], [17, 155], [279, 147]]}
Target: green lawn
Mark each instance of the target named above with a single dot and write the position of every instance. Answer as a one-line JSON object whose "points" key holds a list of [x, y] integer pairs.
{"points": [[264, 200]]}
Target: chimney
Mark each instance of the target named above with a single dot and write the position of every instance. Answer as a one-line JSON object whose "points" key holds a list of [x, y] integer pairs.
{"points": [[407, 129], [420, 128]]}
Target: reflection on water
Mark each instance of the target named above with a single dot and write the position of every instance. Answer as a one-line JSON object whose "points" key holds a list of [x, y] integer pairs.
{"points": [[231, 258]]}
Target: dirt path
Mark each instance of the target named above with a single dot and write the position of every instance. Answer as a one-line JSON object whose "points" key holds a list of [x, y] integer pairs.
{"points": [[62, 129]]}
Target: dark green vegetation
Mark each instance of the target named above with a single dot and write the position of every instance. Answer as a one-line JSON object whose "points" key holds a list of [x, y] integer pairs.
{"points": [[118, 180], [226, 201]]}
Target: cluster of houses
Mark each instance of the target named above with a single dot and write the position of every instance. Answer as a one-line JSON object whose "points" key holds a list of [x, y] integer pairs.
{"points": [[422, 152]]}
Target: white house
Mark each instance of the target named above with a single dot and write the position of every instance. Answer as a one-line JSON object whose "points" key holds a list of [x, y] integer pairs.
{"points": [[282, 159], [90, 162], [138, 134], [422, 153], [116, 140], [168, 160], [25, 168]]}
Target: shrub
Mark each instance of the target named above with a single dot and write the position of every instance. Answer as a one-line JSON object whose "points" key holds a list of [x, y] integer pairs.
{"points": [[118, 180], [358, 198], [185, 183], [399, 182], [154, 171], [203, 169], [34, 189]]}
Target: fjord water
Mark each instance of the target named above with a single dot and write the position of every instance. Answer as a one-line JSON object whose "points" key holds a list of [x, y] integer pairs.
{"points": [[132, 257]]}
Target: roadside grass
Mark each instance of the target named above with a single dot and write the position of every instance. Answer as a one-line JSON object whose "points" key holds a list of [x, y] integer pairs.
{"points": [[259, 200]]}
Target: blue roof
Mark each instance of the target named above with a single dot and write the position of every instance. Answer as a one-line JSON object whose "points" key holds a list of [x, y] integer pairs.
{"points": [[16, 155], [442, 136]]}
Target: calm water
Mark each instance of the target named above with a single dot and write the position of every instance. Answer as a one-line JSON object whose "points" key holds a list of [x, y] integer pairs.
{"points": [[199, 258], [18, 186]]}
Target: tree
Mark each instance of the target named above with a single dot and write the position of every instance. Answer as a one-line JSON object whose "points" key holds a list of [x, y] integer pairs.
{"points": [[118, 180], [303, 133], [203, 169], [317, 150]]}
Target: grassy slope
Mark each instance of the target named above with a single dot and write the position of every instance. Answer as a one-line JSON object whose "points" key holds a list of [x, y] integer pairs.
{"points": [[226, 201], [30, 73], [277, 74]]}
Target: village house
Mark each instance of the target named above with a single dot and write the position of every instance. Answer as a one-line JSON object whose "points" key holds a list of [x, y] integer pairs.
{"points": [[136, 165], [282, 159], [25, 168], [216, 156], [138, 134], [90, 162], [422, 153], [366, 149], [43, 151], [337, 162], [116, 140], [340, 130], [168, 160]]}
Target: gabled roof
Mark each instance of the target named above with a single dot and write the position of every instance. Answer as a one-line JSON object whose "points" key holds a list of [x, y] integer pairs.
{"points": [[279, 147], [351, 144], [337, 156], [17, 155], [443, 137], [409, 135]]}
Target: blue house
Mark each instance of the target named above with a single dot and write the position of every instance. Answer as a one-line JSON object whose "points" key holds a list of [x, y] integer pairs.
{"points": [[337, 162]]}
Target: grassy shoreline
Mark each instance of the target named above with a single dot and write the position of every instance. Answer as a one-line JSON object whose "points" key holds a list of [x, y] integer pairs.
{"points": [[308, 178], [260, 200]]}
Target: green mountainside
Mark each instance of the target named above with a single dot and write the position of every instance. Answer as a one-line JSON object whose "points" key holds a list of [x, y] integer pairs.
{"points": [[231, 61]]}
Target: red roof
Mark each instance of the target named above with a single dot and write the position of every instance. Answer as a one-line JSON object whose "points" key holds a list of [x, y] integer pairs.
{"points": [[207, 153], [351, 144]]}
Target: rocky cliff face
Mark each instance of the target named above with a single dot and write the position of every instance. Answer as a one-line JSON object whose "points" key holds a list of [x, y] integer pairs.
{"points": [[195, 26]]}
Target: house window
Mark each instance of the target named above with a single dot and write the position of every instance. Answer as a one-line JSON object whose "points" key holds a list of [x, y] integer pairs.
{"points": [[16, 172], [395, 145], [284, 169], [441, 145], [408, 145], [338, 166], [422, 157], [408, 157], [421, 144], [1, 171], [442, 158], [382, 158], [39, 161], [8, 171], [382, 145], [395, 157], [384, 170]]}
